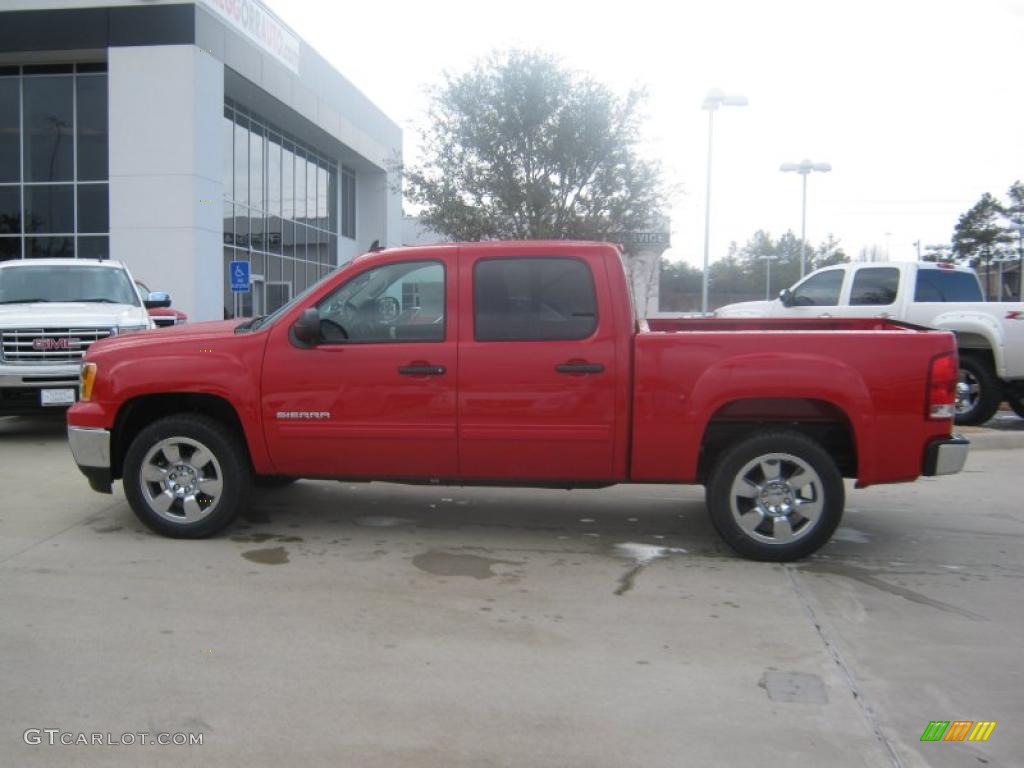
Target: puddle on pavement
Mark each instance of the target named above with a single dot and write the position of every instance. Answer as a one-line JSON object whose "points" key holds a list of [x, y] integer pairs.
{"points": [[449, 564], [642, 555], [381, 521], [271, 556], [260, 538]]}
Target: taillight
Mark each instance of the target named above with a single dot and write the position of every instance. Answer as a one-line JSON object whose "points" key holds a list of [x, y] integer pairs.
{"points": [[942, 379]]}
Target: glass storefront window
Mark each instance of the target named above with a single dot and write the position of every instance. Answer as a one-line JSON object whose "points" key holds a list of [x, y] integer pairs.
{"points": [[92, 128], [287, 182], [48, 103], [241, 164], [10, 129], [274, 177], [10, 210], [94, 247], [93, 208], [256, 161], [49, 247], [50, 208], [279, 209], [300, 187], [53, 137], [10, 248]]}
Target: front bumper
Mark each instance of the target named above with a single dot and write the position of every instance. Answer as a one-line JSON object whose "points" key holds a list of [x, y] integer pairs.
{"points": [[91, 449], [945, 456], [20, 387]]}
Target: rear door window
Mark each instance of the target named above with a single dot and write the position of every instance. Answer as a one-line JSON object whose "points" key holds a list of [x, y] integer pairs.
{"points": [[875, 286], [533, 299], [942, 285]]}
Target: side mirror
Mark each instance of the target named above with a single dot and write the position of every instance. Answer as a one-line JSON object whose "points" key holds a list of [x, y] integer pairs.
{"points": [[786, 297], [157, 300], [307, 327]]}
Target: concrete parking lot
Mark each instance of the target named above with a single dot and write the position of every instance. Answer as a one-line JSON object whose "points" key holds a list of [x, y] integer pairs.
{"points": [[381, 625]]}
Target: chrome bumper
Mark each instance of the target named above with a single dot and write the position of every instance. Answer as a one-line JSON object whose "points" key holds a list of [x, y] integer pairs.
{"points": [[90, 447], [946, 456]]}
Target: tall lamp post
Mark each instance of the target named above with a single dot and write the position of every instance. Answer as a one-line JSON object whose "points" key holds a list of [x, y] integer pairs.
{"points": [[804, 167], [715, 98]]}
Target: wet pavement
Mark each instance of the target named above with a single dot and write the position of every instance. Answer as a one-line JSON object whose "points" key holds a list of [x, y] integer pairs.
{"points": [[383, 625]]}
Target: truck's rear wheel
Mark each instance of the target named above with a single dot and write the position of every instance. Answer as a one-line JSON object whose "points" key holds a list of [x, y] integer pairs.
{"points": [[186, 476], [776, 496], [1015, 397], [978, 391]]}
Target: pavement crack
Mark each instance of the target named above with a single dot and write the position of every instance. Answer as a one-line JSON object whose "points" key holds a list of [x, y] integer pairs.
{"points": [[858, 696], [868, 578]]}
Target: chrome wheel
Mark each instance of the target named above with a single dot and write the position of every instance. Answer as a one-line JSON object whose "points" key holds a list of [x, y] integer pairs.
{"points": [[181, 480], [968, 391], [777, 498]]}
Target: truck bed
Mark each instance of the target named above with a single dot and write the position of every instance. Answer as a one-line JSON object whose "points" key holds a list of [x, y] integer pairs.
{"points": [[721, 324]]}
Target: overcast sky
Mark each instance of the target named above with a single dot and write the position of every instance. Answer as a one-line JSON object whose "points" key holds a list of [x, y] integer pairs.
{"points": [[918, 106]]}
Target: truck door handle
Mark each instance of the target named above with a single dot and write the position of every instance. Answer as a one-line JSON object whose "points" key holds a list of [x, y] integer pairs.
{"points": [[421, 370], [581, 367], [825, 314]]}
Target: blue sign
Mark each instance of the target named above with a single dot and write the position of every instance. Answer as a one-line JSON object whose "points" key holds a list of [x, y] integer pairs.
{"points": [[239, 271]]}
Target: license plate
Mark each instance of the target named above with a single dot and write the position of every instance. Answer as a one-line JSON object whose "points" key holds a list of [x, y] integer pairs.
{"points": [[58, 397]]}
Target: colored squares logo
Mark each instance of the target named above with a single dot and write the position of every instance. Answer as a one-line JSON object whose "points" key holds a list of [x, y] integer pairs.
{"points": [[958, 730]]}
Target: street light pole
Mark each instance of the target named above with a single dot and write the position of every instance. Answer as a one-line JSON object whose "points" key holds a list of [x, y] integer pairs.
{"points": [[707, 217], [804, 167], [715, 98]]}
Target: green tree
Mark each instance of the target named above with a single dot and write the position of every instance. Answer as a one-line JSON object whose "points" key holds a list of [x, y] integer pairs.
{"points": [[980, 233], [828, 253], [521, 147]]}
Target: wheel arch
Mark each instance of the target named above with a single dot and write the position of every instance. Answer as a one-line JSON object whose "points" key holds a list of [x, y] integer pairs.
{"points": [[139, 412], [820, 420]]}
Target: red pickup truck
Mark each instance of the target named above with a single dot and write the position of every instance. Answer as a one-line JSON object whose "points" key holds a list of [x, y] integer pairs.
{"points": [[516, 364]]}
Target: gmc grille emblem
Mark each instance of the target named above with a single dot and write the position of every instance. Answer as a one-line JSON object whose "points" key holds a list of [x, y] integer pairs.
{"points": [[47, 344]]}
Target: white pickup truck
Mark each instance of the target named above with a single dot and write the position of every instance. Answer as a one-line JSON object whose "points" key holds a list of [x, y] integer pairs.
{"points": [[990, 335], [51, 310]]}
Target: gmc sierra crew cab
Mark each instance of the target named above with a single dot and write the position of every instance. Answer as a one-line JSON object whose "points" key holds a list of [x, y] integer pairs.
{"points": [[51, 311], [989, 334], [516, 363]]}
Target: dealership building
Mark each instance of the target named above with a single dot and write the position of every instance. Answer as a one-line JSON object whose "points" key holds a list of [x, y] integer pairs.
{"points": [[179, 137]]}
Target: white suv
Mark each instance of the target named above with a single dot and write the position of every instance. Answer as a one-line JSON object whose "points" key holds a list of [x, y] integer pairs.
{"points": [[51, 310]]}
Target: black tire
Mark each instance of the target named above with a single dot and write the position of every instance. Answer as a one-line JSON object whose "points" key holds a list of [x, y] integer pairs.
{"points": [[984, 395], [220, 485], [1015, 397], [773, 507], [273, 481], [1017, 405]]}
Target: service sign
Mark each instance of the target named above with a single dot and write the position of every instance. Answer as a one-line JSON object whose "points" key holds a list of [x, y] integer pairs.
{"points": [[259, 25]]}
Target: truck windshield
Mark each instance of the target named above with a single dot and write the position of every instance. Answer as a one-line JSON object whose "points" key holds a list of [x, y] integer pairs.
{"points": [[76, 283]]}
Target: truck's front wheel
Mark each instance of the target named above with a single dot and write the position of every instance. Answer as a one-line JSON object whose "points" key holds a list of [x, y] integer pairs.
{"points": [[776, 496], [186, 476]]}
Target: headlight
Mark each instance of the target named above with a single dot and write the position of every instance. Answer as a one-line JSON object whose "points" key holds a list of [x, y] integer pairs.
{"points": [[88, 379], [132, 328]]}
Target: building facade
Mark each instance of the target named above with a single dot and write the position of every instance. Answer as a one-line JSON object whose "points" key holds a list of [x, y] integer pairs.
{"points": [[180, 136]]}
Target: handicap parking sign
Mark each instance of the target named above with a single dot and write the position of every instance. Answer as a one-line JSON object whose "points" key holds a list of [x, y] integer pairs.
{"points": [[239, 271]]}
